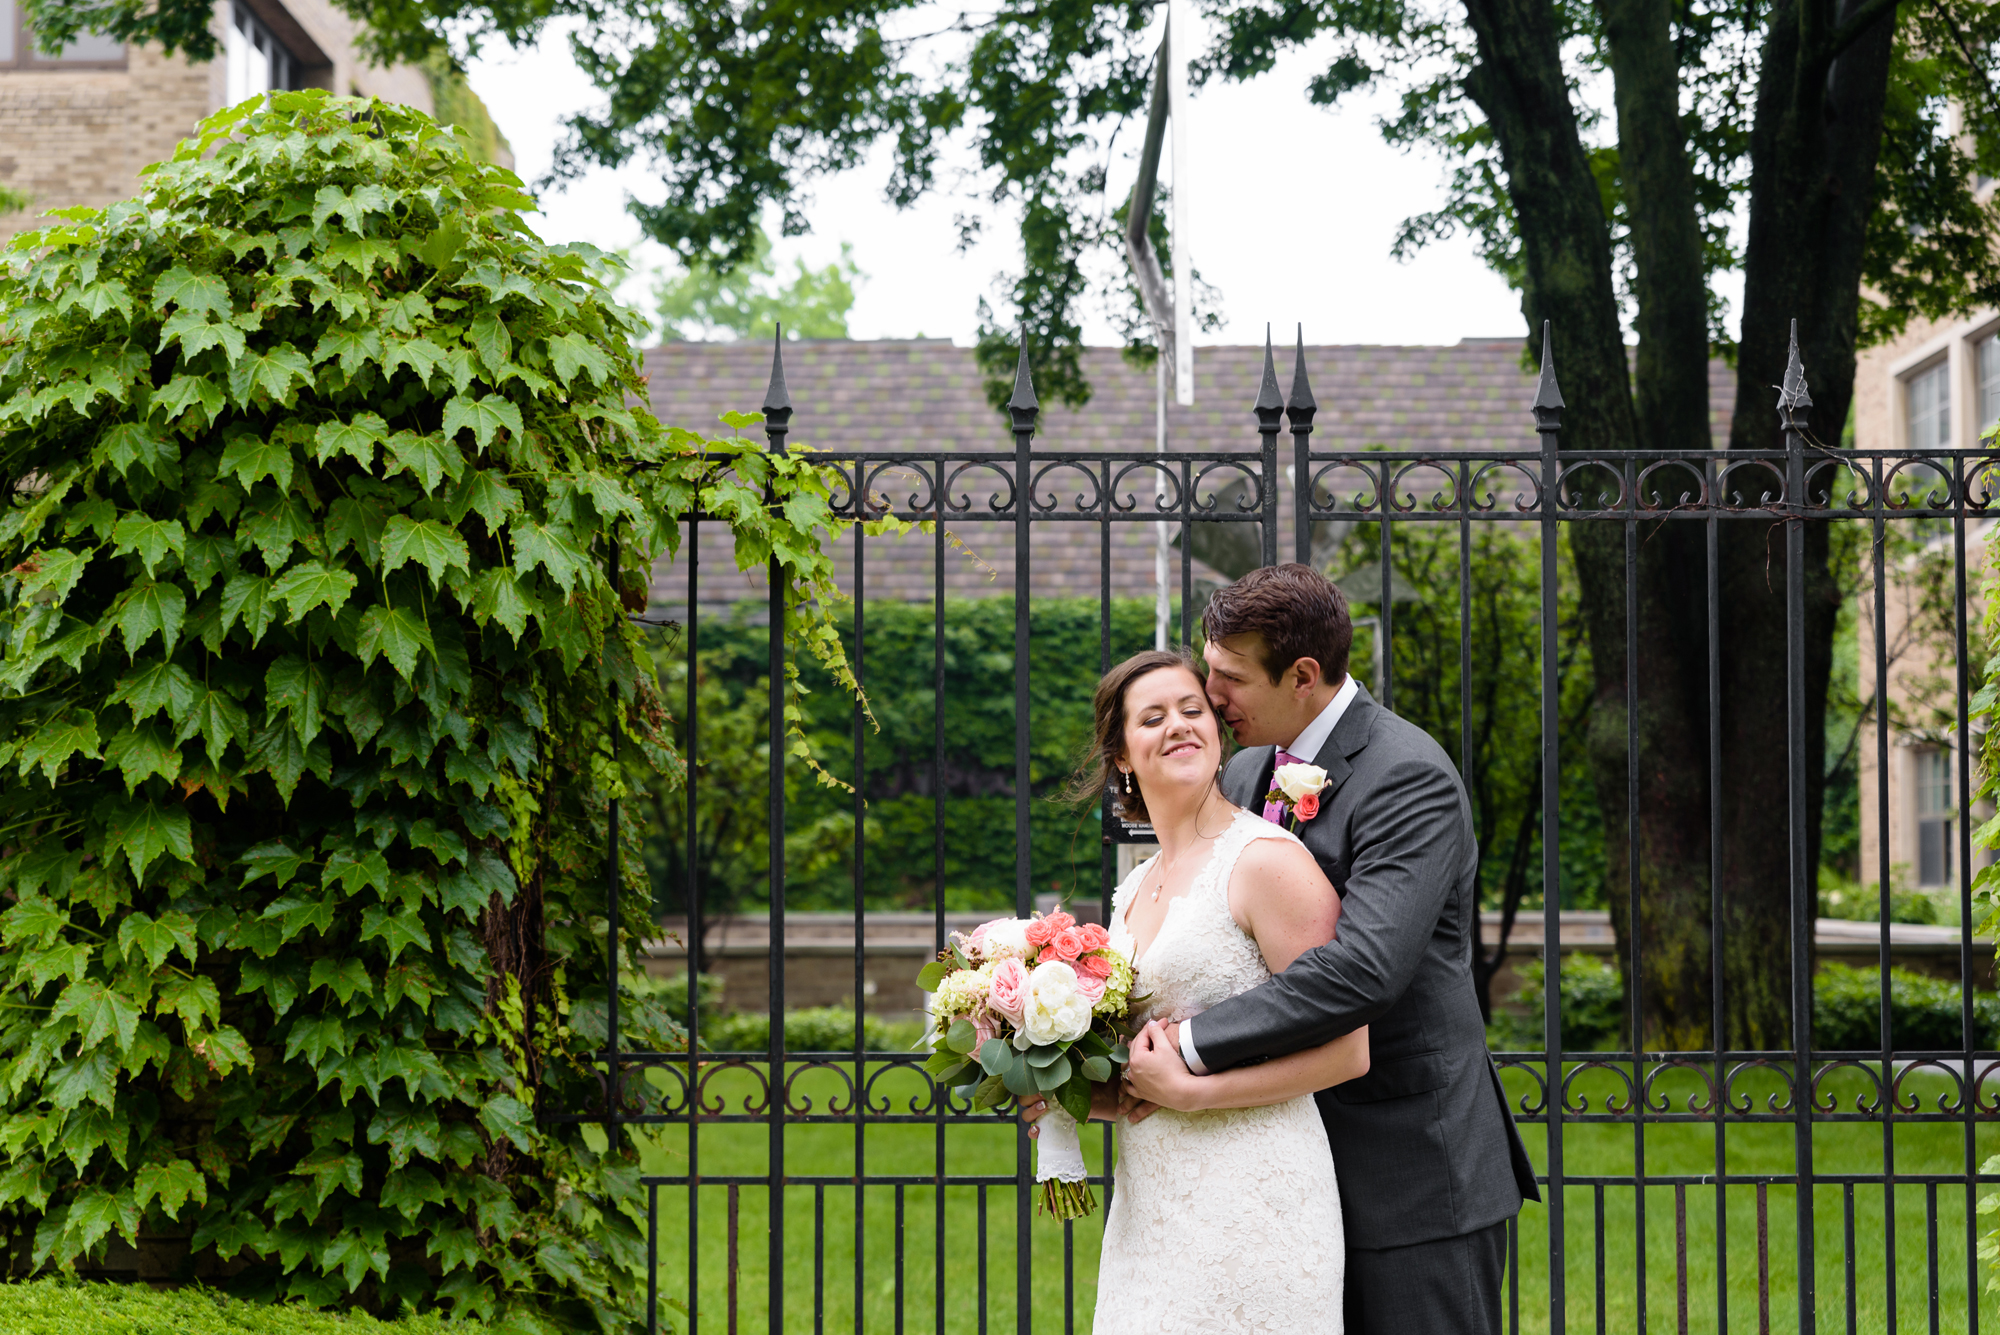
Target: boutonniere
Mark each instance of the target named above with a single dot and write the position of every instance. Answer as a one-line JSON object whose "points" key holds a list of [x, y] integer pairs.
{"points": [[1296, 787]]}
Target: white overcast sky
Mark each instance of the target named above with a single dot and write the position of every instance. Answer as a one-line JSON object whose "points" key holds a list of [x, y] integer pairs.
{"points": [[1292, 212]]}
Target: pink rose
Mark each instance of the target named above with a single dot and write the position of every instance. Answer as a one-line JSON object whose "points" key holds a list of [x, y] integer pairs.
{"points": [[984, 1026], [1068, 944], [975, 945], [1090, 986], [1094, 936], [1307, 807], [1008, 996], [1043, 930], [1093, 966]]}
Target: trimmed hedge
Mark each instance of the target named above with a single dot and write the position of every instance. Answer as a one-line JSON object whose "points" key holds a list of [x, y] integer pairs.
{"points": [[65, 1307], [1925, 1013]]}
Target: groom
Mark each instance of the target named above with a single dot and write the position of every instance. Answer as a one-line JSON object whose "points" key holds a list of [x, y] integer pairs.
{"points": [[1430, 1166]]}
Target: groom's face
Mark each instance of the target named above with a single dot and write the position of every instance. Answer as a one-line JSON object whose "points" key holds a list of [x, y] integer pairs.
{"points": [[1260, 712]]}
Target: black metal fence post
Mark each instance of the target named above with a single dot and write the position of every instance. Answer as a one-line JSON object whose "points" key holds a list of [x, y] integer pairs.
{"points": [[1022, 409], [1270, 408], [1548, 424], [777, 421], [1793, 405], [1299, 408]]}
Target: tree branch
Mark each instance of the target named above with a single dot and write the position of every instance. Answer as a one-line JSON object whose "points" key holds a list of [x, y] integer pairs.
{"points": [[1860, 21]]}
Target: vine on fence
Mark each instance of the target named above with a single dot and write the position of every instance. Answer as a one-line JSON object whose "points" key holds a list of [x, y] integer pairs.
{"points": [[312, 681]]}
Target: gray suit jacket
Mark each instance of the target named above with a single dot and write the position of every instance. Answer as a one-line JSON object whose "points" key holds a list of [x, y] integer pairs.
{"points": [[1423, 1144]]}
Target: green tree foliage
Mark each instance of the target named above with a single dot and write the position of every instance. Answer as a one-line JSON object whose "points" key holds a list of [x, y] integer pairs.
{"points": [[314, 689], [454, 103], [700, 302]]}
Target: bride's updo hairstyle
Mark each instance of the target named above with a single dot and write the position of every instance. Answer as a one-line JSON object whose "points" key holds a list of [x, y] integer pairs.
{"points": [[1098, 769]]}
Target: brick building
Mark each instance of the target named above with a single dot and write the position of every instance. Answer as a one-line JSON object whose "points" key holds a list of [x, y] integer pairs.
{"points": [[77, 127], [1936, 386]]}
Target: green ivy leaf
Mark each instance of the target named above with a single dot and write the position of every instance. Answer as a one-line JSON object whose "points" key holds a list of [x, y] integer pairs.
{"points": [[483, 417], [156, 938], [146, 831], [191, 292], [196, 1000], [354, 872], [425, 541], [273, 858], [397, 931], [143, 751], [184, 393], [492, 342], [272, 373], [506, 1116], [408, 1190], [148, 538], [278, 750], [52, 744], [485, 492], [161, 686], [32, 919], [250, 459], [394, 633], [314, 1036], [498, 595], [330, 1169], [312, 584], [429, 459], [247, 598], [346, 978], [274, 521], [133, 444], [548, 545], [149, 610], [354, 348], [99, 1012], [295, 913], [569, 354], [92, 1076], [219, 720], [173, 1184], [49, 576], [357, 439]]}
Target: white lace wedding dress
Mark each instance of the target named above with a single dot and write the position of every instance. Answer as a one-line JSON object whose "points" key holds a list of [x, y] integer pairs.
{"points": [[1225, 1221]]}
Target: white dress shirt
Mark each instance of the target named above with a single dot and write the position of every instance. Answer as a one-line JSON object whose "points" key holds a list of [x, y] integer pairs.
{"points": [[1306, 747]]}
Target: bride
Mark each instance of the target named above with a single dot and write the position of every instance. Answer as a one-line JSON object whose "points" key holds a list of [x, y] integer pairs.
{"points": [[1224, 1214]]}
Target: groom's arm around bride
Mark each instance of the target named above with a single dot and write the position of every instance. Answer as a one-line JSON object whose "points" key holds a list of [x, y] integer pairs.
{"points": [[1429, 1164]]}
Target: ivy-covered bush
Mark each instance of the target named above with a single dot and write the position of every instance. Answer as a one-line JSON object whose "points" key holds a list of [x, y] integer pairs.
{"points": [[314, 689], [59, 1307]]}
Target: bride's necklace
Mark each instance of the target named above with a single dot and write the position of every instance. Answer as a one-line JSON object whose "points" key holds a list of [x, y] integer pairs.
{"points": [[1167, 864]]}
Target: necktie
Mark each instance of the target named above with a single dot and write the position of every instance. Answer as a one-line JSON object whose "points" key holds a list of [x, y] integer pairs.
{"points": [[1275, 811]]}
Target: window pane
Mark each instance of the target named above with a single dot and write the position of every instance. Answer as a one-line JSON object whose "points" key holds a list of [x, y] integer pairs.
{"points": [[237, 53], [1929, 397], [94, 46], [1933, 838], [6, 31]]}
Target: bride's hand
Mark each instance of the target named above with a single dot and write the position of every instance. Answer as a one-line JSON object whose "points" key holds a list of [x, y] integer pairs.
{"points": [[1104, 1106], [1157, 1074]]}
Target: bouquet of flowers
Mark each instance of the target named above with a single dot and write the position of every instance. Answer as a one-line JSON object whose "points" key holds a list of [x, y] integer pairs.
{"points": [[1026, 1005]]}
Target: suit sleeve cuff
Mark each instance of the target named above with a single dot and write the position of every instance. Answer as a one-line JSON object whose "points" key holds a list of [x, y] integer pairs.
{"points": [[1188, 1053]]}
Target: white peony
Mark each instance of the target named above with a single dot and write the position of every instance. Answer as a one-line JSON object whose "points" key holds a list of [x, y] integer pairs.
{"points": [[1058, 1012], [1007, 939], [1298, 780]]}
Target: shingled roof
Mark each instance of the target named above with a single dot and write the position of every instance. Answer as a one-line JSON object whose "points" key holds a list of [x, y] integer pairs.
{"points": [[928, 394]]}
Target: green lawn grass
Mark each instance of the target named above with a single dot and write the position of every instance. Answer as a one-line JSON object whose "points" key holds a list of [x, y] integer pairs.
{"points": [[825, 1275]]}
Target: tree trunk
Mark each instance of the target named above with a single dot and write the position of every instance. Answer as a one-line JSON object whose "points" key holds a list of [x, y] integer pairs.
{"points": [[1817, 130]]}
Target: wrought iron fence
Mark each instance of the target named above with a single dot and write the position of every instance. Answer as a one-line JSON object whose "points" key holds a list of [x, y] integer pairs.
{"points": [[813, 1189]]}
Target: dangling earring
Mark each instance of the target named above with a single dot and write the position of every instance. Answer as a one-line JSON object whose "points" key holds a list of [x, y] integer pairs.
{"points": [[1128, 780]]}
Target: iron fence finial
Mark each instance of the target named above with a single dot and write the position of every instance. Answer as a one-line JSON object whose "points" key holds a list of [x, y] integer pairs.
{"points": [[1023, 406], [1793, 400], [1548, 396], [777, 397], [1269, 401], [1300, 403]]}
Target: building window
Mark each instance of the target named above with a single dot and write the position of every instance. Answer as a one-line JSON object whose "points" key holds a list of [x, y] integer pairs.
{"points": [[17, 47], [1928, 394], [257, 62], [1934, 813], [1989, 383]]}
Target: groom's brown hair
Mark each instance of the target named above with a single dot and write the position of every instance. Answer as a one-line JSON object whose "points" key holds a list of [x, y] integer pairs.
{"points": [[1295, 612]]}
